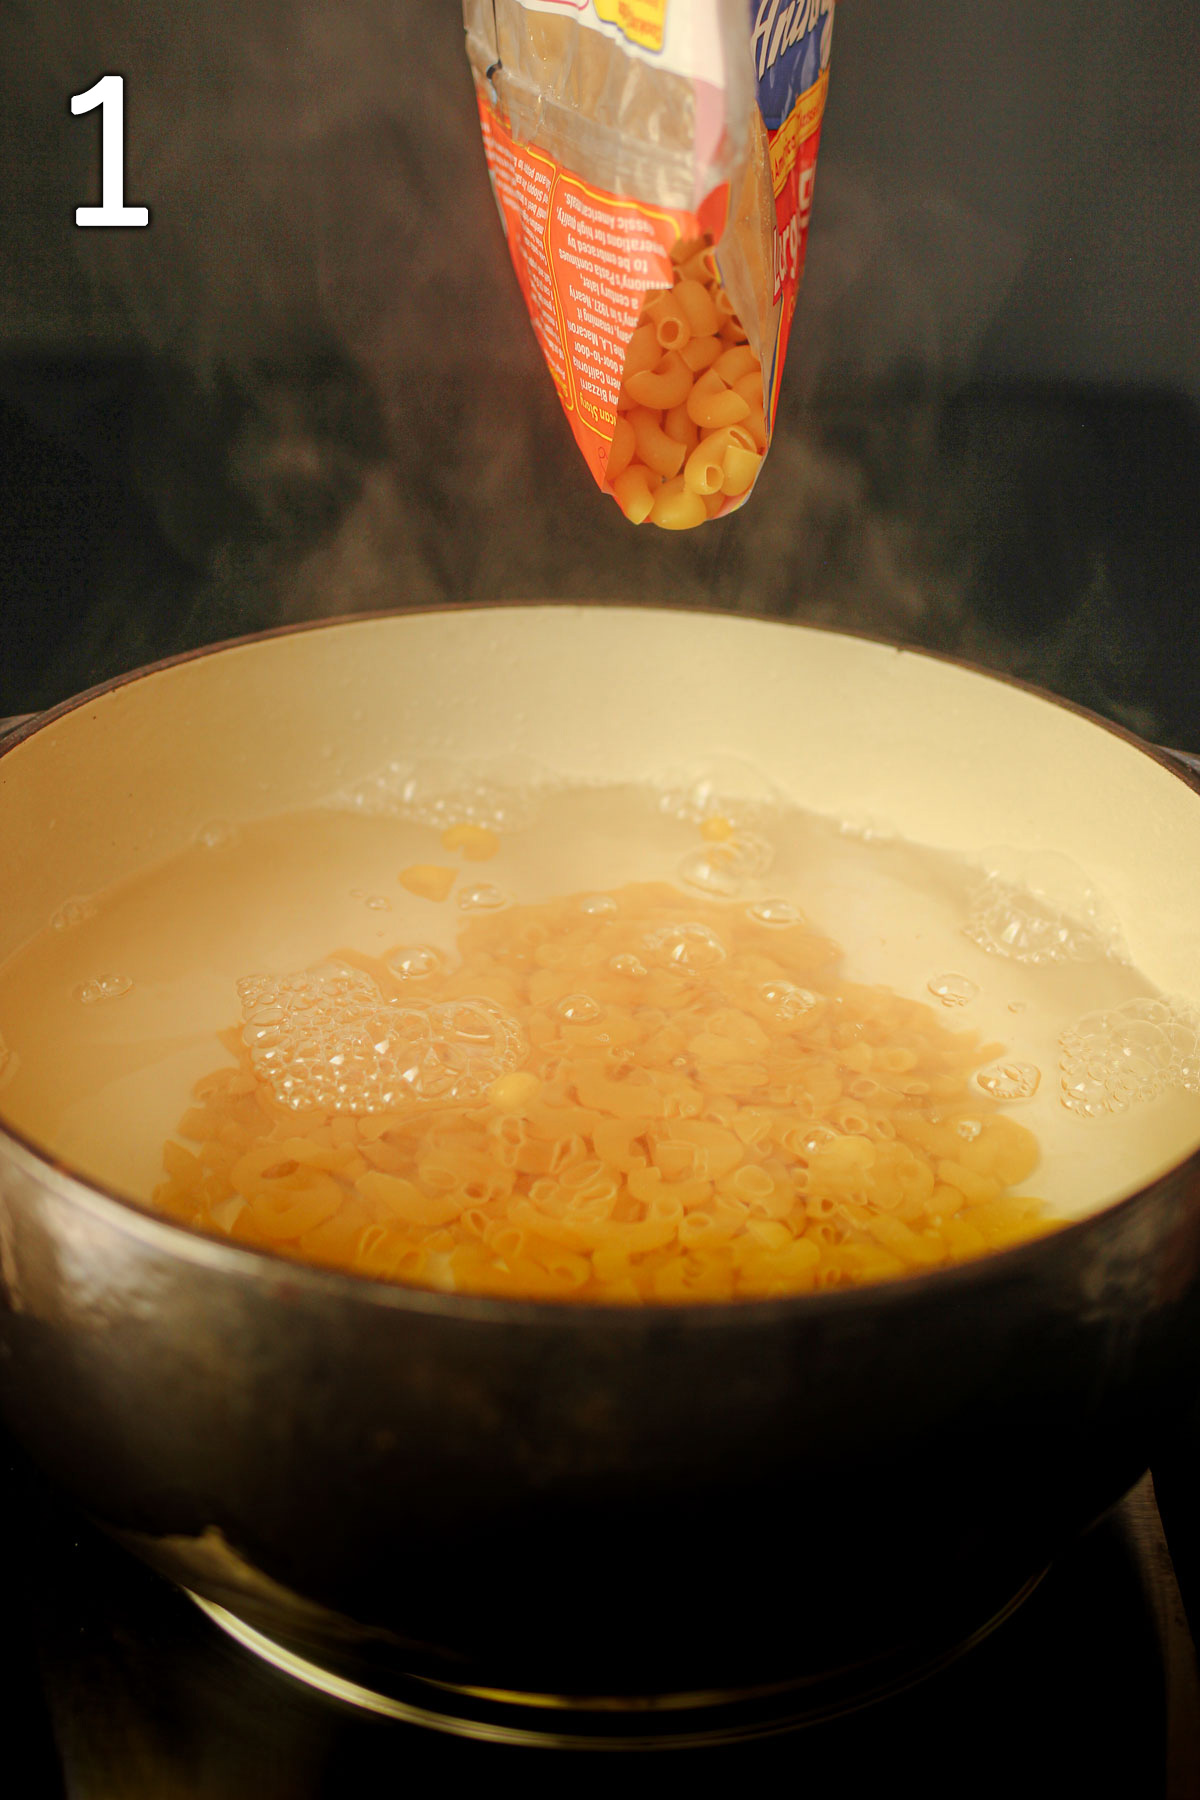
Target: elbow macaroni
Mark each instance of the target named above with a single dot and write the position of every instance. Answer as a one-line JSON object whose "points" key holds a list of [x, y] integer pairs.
{"points": [[690, 379], [705, 1111]]}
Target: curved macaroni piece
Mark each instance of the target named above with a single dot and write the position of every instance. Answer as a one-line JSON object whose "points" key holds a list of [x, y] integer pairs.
{"points": [[712, 404], [698, 307], [735, 362], [635, 491], [672, 327], [677, 425], [660, 452], [676, 507], [668, 383], [700, 353], [623, 446]]}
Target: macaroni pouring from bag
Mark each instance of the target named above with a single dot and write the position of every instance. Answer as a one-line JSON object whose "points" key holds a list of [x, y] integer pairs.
{"points": [[653, 163]]}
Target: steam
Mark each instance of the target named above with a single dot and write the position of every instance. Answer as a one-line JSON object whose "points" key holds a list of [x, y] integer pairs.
{"points": [[344, 376]]}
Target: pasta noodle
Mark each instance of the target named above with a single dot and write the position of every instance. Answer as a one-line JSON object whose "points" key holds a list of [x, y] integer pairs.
{"points": [[702, 1110], [690, 379]]}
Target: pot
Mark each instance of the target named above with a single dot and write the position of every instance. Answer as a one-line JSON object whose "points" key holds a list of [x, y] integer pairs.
{"points": [[551, 1500]]}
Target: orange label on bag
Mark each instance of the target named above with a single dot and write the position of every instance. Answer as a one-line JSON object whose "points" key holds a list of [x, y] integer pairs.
{"points": [[642, 21], [585, 260]]}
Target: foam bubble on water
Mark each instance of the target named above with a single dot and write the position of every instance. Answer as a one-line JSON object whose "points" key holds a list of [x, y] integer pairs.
{"points": [[775, 912], [709, 872], [1113, 1059], [483, 897], [414, 962], [691, 947], [216, 834], [868, 831], [579, 1009], [752, 853], [1008, 1080], [73, 912], [952, 989], [1041, 909], [787, 1000], [103, 987], [442, 793], [378, 903], [598, 906], [725, 868], [327, 1039], [627, 965], [817, 1138]]}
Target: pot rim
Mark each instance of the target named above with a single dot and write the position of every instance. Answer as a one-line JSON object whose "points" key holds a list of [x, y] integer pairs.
{"points": [[140, 1220]]}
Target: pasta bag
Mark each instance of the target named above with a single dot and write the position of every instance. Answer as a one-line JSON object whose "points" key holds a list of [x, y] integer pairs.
{"points": [[653, 162]]}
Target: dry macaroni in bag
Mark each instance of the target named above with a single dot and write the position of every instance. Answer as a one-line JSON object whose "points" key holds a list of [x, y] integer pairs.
{"points": [[653, 163]]}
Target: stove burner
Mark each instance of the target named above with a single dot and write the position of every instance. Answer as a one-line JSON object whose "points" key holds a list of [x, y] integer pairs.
{"points": [[645, 1722]]}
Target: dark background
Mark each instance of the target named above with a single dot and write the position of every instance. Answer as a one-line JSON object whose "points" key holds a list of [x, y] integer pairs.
{"points": [[309, 386]]}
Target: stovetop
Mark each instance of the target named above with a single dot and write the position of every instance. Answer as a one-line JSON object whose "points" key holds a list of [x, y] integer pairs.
{"points": [[118, 1688]]}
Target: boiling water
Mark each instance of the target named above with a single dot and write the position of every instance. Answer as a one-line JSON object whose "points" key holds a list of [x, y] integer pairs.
{"points": [[110, 1014]]}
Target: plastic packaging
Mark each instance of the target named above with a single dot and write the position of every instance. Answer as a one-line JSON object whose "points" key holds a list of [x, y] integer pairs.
{"points": [[653, 162]]}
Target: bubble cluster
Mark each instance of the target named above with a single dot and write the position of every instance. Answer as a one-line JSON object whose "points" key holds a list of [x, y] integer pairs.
{"points": [[1111, 1060], [327, 1039], [691, 947], [216, 834], [73, 912], [727, 788], [1040, 909], [952, 990], [481, 898], [442, 794], [103, 987], [787, 1000], [1008, 1080], [598, 906], [414, 962], [969, 1129], [627, 965], [725, 867]]}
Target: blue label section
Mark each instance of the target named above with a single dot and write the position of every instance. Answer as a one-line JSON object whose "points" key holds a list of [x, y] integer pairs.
{"points": [[790, 42]]}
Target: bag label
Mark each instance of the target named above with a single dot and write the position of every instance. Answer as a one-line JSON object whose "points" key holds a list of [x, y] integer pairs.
{"points": [[682, 36], [790, 44]]}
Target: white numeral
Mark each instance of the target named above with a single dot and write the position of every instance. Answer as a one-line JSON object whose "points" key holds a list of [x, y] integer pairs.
{"points": [[109, 95]]}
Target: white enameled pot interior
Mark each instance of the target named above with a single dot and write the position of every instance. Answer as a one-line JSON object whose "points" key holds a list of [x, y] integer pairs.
{"points": [[939, 754]]}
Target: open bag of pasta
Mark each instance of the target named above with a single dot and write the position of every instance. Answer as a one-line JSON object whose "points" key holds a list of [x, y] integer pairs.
{"points": [[653, 162]]}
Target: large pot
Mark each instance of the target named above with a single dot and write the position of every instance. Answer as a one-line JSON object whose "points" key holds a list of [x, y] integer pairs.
{"points": [[548, 1498]]}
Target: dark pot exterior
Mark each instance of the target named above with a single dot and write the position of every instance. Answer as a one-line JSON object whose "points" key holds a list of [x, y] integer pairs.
{"points": [[586, 1501]]}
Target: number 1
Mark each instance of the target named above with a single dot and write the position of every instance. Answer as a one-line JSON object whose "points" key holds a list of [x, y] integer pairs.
{"points": [[109, 95]]}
